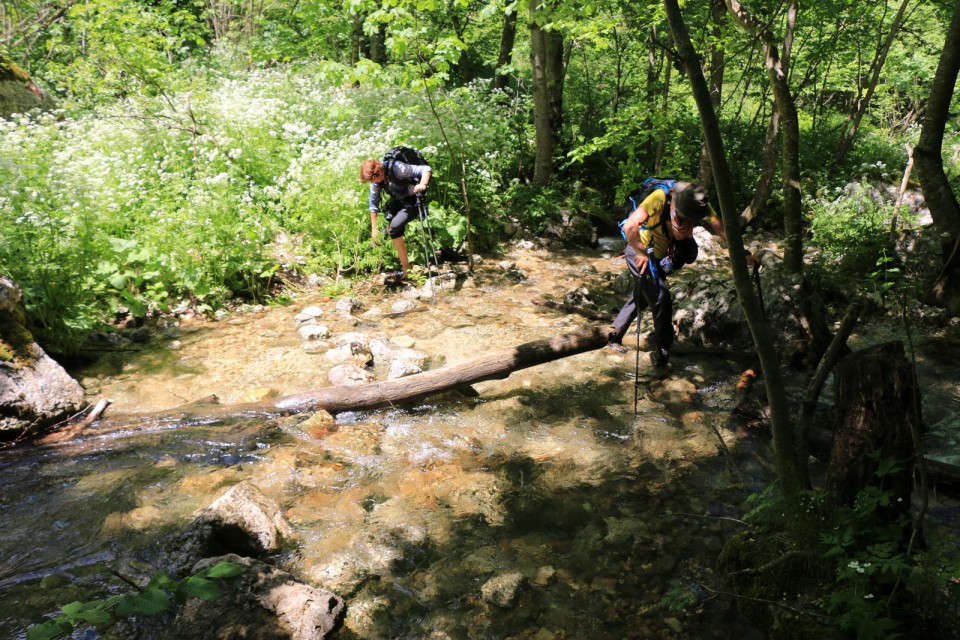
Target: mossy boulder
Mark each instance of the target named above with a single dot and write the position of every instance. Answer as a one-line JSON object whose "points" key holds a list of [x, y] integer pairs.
{"points": [[18, 92], [35, 391]]}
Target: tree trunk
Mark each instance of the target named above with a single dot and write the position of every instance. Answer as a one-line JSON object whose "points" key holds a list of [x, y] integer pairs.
{"points": [[496, 365], [768, 169], [651, 99], [928, 158], [662, 123], [544, 134], [378, 52], [780, 416], [556, 74], [860, 107], [718, 12], [878, 406], [790, 136], [501, 79], [356, 37]]}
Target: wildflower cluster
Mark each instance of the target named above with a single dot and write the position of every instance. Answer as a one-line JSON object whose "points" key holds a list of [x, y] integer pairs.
{"points": [[152, 200]]}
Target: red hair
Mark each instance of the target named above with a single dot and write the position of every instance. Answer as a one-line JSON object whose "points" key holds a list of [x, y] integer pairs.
{"points": [[371, 171]]}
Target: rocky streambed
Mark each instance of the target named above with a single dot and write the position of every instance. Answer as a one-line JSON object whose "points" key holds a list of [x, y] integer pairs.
{"points": [[538, 506]]}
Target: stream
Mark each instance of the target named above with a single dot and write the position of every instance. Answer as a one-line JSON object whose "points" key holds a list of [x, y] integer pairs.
{"points": [[542, 507]]}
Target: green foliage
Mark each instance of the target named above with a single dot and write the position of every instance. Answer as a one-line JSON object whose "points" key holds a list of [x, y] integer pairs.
{"points": [[115, 48], [151, 600], [677, 599], [219, 129], [852, 239], [180, 197], [857, 571]]}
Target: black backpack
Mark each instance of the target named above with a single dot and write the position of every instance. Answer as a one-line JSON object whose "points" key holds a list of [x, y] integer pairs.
{"points": [[637, 196], [406, 155]]}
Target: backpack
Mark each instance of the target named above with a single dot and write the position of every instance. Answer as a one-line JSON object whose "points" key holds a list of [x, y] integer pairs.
{"points": [[406, 155], [637, 196]]}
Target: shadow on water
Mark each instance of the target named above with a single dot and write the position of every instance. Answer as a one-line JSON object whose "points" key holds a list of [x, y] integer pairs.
{"points": [[71, 513], [603, 546], [606, 560]]}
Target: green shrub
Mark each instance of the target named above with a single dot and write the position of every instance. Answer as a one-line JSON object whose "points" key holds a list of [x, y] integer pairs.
{"points": [[851, 240], [157, 200], [151, 600]]}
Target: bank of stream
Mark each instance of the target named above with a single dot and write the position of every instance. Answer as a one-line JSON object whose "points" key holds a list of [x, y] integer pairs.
{"points": [[539, 507]]}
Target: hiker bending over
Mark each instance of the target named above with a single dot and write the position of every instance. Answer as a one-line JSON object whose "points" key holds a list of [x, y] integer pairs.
{"points": [[659, 234], [404, 182]]}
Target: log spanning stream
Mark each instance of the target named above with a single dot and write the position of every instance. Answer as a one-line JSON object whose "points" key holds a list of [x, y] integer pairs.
{"points": [[537, 506]]}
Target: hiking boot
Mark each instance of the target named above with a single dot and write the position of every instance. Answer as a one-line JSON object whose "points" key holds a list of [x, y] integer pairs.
{"points": [[660, 358], [395, 279], [616, 347]]}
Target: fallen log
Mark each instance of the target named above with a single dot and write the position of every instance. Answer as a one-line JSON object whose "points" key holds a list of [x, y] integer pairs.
{"points": [[373, 395]]}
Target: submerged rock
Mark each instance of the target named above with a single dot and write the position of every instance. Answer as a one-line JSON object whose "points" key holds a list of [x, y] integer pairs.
{"points": [[242, 521], [349, 374], [503, 590]]}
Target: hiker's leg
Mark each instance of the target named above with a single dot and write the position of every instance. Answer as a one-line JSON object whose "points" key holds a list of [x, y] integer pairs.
{"points": [[662, 314], [397, 226], [401, 246], [684, 252], [633, 306]]}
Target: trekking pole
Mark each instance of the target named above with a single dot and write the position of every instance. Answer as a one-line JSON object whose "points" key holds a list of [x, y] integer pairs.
{"points": [[636, 373], [756, 281], [426, 235]]}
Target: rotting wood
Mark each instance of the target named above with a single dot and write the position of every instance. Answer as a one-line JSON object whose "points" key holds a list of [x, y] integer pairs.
{"points": [[875, 405], [373, 395], [71, 431]]}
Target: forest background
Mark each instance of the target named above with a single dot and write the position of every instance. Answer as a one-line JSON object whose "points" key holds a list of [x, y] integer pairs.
{"points": [[199, 153], [190, 137]]}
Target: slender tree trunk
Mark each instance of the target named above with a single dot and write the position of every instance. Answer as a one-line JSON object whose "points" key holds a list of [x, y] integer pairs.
{"points": [[768, 169], [378, 52], [860, 107], [904, 183], [501, 79], [556, 74], [619, 76], [664, 106], [790, 137], [928, 159], [544, 133], [718, 12], [356, 37], [782, 426], [650, 121]]}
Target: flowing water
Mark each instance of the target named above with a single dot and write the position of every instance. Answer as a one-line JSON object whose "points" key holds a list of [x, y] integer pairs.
{"points": [[541, 507]]}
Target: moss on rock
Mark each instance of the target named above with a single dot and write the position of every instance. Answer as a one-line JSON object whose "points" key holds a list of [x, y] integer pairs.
{"points": [[15, 340]]}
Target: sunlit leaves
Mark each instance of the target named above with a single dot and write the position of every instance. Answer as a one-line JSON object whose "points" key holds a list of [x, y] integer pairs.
{"points": [[152, 599]]}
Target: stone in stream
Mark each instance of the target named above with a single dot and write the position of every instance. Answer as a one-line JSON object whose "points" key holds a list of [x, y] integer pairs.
{"points": [[35, 391]]}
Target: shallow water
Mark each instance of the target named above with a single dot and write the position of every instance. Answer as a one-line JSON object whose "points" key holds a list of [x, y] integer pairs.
{"points": [[540, 508]]}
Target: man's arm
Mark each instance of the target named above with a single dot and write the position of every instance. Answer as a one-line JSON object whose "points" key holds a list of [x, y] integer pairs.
{"points": [[716, 228], [374, 203], [631, 229]]}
